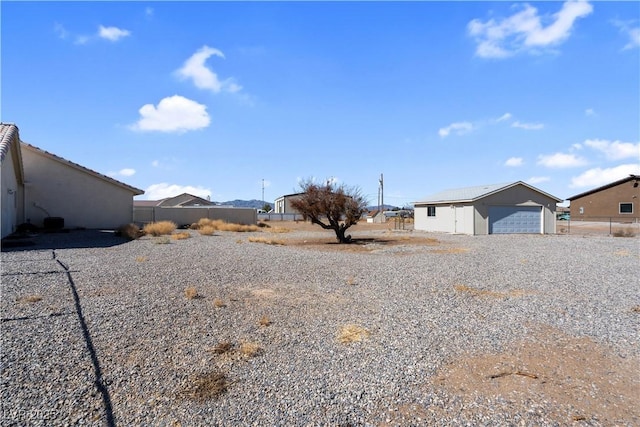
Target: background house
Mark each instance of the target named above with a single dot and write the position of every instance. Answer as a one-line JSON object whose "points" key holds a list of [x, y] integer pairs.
{"points": [[282, 205], [488, 209], [12, 179], [83, 198], [617, 200], [184, 199]]}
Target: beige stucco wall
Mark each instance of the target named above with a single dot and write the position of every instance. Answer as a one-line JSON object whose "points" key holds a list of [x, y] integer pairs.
{"points": [[518, 195], [283, 205], [474, 219], [11, 199], [84, 200], [189, 215]]}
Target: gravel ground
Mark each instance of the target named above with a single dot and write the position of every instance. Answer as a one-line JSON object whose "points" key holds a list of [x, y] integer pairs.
{"points": [[456, 330]]}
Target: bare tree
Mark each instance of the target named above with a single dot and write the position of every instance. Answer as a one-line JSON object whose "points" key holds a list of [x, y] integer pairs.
{"points": [[332, 207]]}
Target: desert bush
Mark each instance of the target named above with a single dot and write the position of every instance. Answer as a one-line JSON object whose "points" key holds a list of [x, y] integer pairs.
{"points": [[222, 348], [265, 321], [351, 281], [250, 349], [219, 303], [206, 230], [266, 241], [191, 292], [207, 386], [263, 225], [280, 230], [352, 333], [181, 236], [624, 232], [30, 299], [160, 228], [129, 231], [220, 225]]}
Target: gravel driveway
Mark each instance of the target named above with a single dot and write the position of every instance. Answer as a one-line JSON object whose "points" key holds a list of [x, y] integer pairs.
{"points": [[400, 328]]}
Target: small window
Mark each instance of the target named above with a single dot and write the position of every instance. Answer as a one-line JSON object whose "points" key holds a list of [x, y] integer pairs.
{"points": [[626, 208], [431, 211]]}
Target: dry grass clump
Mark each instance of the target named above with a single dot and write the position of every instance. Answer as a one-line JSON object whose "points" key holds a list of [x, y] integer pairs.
{"points": [[352, 333], [624, 232], [160, 228], [219, 303], [265, 321], [351, 281], [181, 235], [220, 225], [250, 349], [30, 299], [635, 309], [207, 386], [222, 348], [279, 230], [191, 293], [141, 258], [266, 241], [129, 231], [207, 230]]}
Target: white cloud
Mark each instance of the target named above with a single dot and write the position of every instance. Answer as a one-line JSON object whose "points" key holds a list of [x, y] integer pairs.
{"points": [[164, 190], [524, 31], [460, 128], [514, 162], [82, 40], [123, 172], [597, 177], [195, 69], [60, 31], [561, 160], [505, 116], [538, 179], [589, 112], [626, 27], [112, 33], [148, 11], [173, 114], [527, 126], [615, 150]]}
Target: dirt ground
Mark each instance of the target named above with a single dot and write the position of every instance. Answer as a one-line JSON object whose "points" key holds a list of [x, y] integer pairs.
{"points": [[588, 383]]}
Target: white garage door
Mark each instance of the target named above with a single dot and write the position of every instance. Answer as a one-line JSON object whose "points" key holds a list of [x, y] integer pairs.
{"points": [[515, 219]]}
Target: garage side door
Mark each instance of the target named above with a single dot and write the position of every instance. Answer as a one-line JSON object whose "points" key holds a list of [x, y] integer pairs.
{"points": [[515, 219]]}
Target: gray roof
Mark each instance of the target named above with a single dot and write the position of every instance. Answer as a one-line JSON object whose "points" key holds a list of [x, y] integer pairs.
{"points": [[470, 194]]}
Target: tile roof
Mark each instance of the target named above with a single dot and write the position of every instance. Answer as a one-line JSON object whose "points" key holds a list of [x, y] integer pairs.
{"points": [[8, 133], [469, 194]]}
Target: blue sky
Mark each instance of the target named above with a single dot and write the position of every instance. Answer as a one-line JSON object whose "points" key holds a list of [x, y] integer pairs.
{"points": [[225, 98]]}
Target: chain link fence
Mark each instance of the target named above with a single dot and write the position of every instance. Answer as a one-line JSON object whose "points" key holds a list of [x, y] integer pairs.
{"points": [[604, 226]]}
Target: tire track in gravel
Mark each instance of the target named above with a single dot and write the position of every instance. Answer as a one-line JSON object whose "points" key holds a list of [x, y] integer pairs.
{"points": [[99, 381]]}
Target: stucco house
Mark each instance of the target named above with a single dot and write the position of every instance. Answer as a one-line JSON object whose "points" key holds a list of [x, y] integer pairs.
{"points": [[617, 200], [282, 204], [506, 208], [184, 199], [83, 198], [12, 179]]}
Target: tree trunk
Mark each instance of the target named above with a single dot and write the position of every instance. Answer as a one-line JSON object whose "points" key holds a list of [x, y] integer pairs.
{"points": [[340, 235]]}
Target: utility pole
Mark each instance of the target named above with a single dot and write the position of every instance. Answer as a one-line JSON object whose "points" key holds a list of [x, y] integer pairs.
{"points": [[262, 190], [381, 191]]}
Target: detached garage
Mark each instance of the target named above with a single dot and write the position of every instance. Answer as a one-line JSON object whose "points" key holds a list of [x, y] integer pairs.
{"points": [[488, 209]]}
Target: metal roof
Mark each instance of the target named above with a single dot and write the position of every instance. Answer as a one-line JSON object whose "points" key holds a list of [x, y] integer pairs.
{"points": [[470, 194]]}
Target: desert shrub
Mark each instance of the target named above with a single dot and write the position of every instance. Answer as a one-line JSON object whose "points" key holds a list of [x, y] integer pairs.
{"points": [[129, 231], [266, 241], [30, 299], [250, 349], [265, 321], [181, 236], [352, 333], [159, 228], [624, 232], [219, 303], [220, 225], [207, 230], [191, 292], [263, 225], [207, 386]]}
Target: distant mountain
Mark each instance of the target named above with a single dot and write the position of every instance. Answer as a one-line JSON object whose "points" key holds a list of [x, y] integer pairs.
{"points": [[256, 204], [384, 208]]}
